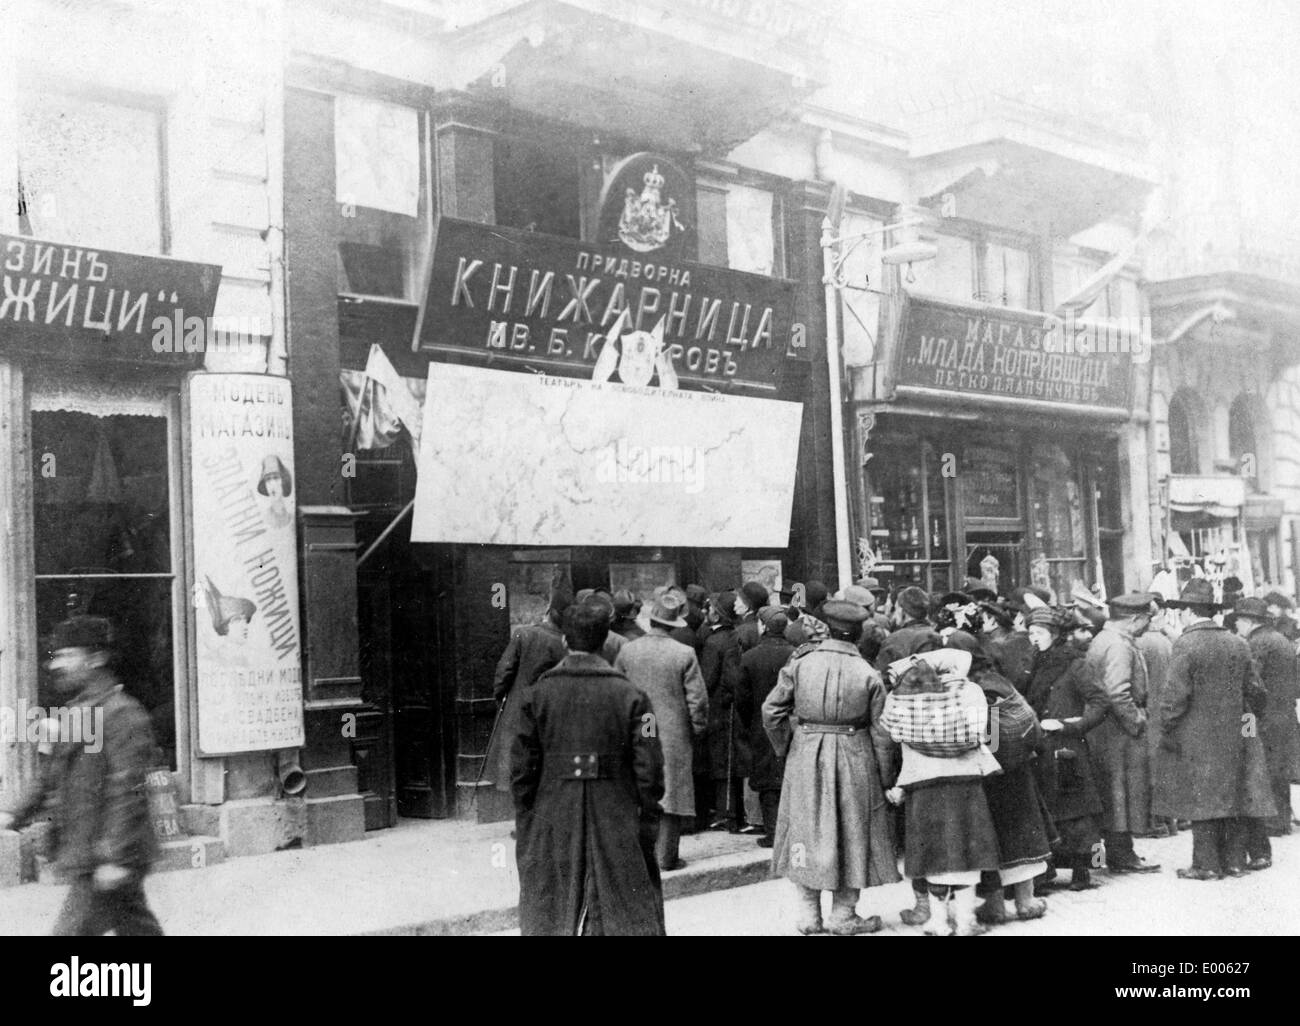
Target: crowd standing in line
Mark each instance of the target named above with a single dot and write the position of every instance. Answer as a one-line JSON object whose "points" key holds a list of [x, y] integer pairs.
{"points": [[986, 745]]}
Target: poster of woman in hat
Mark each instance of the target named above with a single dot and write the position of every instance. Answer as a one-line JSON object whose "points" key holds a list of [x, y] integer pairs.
{"points": [[276, 483], [230, 616]]}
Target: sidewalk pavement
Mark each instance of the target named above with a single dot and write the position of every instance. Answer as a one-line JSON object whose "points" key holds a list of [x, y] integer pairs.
{"points": [[423, 877]]}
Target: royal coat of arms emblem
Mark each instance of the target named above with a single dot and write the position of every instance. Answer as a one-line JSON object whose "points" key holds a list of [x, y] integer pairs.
{"points": [[636, 356], [647, 220]]}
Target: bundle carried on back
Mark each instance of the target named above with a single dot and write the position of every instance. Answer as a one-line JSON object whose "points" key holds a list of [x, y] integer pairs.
{"points": [[935, 708]]}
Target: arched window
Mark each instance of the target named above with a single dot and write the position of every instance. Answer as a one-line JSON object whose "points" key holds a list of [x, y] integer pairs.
{"points": [[1182, 437], [1241, 438]]}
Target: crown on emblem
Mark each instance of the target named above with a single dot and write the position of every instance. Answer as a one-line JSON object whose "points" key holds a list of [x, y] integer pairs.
{"points": [[653, 179]]}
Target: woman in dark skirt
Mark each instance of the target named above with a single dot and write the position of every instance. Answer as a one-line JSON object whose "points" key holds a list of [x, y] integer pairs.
{"points": [[1068, 703], [939, 717], [1020, 817]]}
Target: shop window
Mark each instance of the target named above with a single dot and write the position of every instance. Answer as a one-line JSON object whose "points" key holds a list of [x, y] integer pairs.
{"points": [[537, 187], [1183, 457], [1058, 521], [382, 193], [908, 519], [101, 487], [951, 274], [1007, 271], [751, 243], [1241, 439], [859, 308], [91, 173]]}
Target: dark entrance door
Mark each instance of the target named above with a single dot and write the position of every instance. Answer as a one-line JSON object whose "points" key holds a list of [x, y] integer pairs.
{"points": [[404, 631]]}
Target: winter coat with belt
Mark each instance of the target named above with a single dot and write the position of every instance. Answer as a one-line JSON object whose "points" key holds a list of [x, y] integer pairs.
{"points": [[1060, 688], [669, 674], [587, 780], [1119, 744], [834, 828], [1209, 765], [726, 754], [101, 813], [533, 649], [1278, 728], [759, 669]]}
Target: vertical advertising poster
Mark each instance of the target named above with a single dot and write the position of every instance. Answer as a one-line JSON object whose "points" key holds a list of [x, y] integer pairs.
{"points": [[245, 563]]}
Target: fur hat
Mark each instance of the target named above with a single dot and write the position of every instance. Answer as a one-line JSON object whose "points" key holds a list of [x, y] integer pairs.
{"points": [[914, 602], [755, 594]]}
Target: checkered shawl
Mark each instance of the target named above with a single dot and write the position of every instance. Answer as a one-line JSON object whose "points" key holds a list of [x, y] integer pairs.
{"points": [[936, 723]]}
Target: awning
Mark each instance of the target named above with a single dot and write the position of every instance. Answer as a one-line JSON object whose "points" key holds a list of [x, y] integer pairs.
{"points": [[1212, 496]]}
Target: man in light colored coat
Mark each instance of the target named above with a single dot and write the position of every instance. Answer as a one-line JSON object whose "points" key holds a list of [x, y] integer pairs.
{"points": [[1119, 742], [669, 674]]}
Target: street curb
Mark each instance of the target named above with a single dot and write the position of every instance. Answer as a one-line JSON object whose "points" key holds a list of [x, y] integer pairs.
{"points": [[719, 873]]}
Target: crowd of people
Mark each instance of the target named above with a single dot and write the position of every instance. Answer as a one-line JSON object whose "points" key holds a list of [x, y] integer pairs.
{"points": [[998, 747]]}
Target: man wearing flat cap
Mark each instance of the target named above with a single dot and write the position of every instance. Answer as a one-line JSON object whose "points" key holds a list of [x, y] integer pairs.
{"points": [[833, 830], [1279, 673], [104, 835], [668, 673], [1119, 742], [1211, 767]]}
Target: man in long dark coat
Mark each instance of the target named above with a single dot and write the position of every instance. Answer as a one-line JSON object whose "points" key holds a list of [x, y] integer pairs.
{"points": [[1278, 729], [1212, 769], [533, 649], [753, 597], [758, 672], [1157, 652], [727, 758], [1119, 744], [667, 671], [587, 780]]}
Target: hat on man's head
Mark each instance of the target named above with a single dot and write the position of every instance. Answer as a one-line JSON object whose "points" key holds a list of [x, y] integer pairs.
{"points": [[914, 602], [873, 585], [725, 603], [1082, 596], [978, 590], [1276, 598], [667, 611], [815, 593], [82, 632], [856, 593], [584, 594], [842, 614], [773, 619], [697, 594], [1253, 609], [1131, 603], [755, 594], [1198, 593], [625, 603]]}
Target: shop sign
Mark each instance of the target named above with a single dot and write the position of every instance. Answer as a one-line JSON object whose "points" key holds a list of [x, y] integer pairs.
{"points": [[64, 302], [245, 563], [979, 350], [543, 303]]}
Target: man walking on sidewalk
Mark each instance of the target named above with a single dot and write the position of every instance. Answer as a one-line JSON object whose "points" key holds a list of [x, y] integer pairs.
{"points": [[103, 833], [1119, 742], [587, 777], [1212, 769]]}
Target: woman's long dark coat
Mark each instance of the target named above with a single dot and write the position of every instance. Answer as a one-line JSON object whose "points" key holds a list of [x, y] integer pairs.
{"points": [[1060, 688], [587, 780]]}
